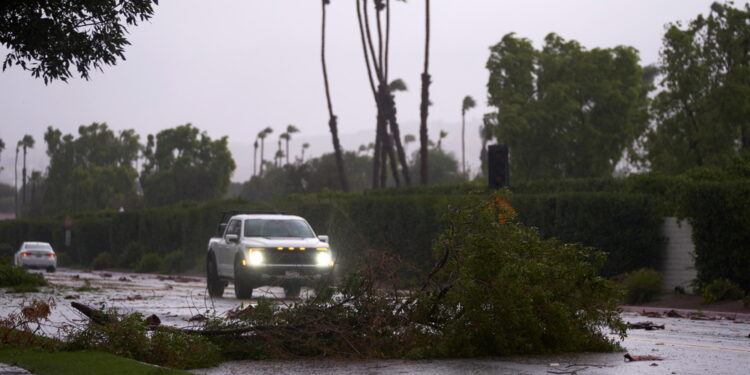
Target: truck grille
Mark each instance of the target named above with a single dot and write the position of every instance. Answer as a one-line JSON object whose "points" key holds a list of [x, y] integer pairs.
{"points": [[286, 256]]}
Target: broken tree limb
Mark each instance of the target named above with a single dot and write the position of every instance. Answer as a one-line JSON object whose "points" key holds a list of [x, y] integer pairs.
{"points": [[96, 316], [648, 326], [630, 358]]}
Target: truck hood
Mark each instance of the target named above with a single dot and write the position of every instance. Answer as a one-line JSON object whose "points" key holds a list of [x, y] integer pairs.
{"points": [[285, 242]]}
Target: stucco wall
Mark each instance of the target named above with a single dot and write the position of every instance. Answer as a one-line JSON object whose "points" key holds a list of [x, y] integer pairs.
{"points": [[678, 267]]}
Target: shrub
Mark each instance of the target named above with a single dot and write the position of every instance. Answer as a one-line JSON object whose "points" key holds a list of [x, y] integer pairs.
{"points": [[642, 286], [746, 301], [102, 261], [149, 262], [509, 291], [129, 337], [721, 290], [174, 262], [20, 279]]}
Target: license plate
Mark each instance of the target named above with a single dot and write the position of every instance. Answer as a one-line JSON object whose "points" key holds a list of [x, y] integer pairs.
{"points": [[292, 274]]}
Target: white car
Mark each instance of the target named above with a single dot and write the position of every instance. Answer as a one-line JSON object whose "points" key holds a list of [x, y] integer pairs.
{"points": [[253, 249], [36, 255]]}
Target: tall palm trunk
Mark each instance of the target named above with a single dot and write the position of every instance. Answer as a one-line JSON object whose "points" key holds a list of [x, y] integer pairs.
{"points": [[332, 122], [255, 156], [287, 151], [423, 138], [15, 184], [463, 143], [262, 144], [23, 177]]}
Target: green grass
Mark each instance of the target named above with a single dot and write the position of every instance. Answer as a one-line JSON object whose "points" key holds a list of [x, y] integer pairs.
{"points": [[80, 363]]}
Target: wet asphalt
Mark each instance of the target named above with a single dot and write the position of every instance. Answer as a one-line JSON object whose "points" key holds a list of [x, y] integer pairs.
{"points": [[686, 346]]}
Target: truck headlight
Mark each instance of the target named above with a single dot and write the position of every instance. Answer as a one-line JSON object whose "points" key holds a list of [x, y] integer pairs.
{"points": [[255, 258], [324, 259]]}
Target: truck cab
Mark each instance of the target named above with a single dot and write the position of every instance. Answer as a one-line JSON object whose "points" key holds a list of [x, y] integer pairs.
{"points": [[256, 248]]}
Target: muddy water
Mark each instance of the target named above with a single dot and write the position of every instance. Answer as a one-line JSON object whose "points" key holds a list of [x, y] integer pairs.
{"points": [[687, 346]]}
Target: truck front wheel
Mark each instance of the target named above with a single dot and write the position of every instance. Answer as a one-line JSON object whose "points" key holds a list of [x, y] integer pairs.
{"points": [[214, 284], [243, 285]]}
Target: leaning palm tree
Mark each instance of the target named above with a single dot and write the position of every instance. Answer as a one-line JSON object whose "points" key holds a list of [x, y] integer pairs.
{"points": [[262, 135], [467, 104], [305, 146], [27, 142], [425, 102], [443, 134], [290, 129], [332, 122]]}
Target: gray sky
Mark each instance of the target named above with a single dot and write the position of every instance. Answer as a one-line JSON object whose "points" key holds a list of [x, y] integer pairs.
{"points": [[234, 67]]}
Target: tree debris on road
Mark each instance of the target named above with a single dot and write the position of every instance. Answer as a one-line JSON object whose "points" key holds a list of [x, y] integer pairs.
{"points": [[648, 326]]}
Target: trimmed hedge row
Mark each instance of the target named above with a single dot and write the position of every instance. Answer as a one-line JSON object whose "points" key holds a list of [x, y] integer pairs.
{"points": [[404, 221], [720, 216]]}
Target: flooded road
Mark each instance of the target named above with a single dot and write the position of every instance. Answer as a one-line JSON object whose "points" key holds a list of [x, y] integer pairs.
{"points": [[687, 346]]}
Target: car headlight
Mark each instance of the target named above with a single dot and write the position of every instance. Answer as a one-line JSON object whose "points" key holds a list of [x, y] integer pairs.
{"points": [[324, 259], [255, 257]]}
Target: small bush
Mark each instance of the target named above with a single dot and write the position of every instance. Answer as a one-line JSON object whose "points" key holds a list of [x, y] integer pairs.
{"points": [[148, 263], [173, 262], [642, 286], [722, 290], [102, 261], [20, 279], [129, 337]]}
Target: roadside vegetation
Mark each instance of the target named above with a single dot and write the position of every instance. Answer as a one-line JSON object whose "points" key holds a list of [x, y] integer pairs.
{"points": [[18, 279]]}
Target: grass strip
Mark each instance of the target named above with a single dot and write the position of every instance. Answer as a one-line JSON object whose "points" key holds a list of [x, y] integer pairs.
{"points": [[80, 363]]}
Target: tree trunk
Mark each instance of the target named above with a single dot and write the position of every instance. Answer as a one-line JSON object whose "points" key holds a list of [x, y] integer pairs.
{"points": [[255, 158], [23, 179], [392, 156], [463, 143], [15, 185], [332, 122], [423, 138], [287, 151], [262, 151], [392, 120]]}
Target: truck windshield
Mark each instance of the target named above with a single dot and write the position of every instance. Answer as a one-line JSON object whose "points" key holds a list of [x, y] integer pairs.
{"points": [[277, 228]]}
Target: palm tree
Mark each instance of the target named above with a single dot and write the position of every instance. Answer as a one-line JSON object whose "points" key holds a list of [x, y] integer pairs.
{"points": [[467, 104], [424, 105], [305, 146], [285, 136], [276, 160], [332, 122], [290, 129], [262, 135], [255, 155], [27, 142], [443, 134]]}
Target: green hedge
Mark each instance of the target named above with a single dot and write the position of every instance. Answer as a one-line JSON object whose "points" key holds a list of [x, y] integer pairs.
{"points": [[720, 215], [625, 226], [404, 221]]}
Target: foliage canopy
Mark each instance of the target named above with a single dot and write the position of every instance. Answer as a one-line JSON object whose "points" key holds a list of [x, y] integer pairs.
{"points": [[49, 37]]}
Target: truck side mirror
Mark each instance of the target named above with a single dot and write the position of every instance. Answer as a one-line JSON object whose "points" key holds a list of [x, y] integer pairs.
{"points": [[232, 238], [323, 238]]}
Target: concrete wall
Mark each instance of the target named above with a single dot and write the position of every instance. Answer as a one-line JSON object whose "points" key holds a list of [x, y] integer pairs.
{"points": [[678, 268]]}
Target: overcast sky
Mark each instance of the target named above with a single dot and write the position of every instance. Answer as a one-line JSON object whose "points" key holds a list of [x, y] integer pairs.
{"points": [[235, 67]]}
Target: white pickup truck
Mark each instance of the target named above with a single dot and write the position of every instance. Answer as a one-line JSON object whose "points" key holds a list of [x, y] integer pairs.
{"points": [[256, 248]]}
